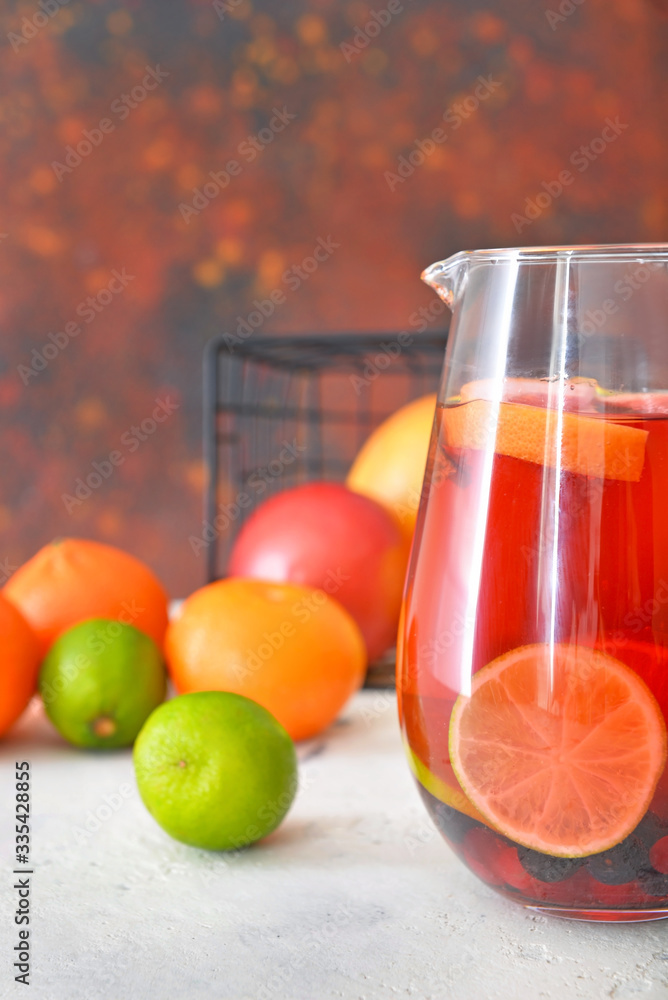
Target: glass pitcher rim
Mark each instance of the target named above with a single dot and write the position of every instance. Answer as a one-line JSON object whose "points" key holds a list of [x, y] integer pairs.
{"points": [[544, 254]]}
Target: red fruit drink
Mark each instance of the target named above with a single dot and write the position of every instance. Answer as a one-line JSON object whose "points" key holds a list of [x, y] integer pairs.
{"points": [[510, 549]]}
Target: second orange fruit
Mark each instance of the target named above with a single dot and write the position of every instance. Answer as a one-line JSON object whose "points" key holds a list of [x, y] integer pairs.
{"points": [[19, 664], [294, 650], [73, 579]]}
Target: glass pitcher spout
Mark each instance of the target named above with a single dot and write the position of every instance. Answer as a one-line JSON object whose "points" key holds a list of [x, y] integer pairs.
{"points": [[448, 277]]}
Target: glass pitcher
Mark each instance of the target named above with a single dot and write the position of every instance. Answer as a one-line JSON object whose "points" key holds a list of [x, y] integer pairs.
{"points": [[533, 648]]}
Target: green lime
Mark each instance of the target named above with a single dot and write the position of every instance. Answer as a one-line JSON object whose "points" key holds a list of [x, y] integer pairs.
{"points": [[215, 769], [100, 681]]}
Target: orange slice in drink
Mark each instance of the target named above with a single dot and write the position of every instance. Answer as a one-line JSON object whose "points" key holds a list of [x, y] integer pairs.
{"points": [[591, 446], [559, 747]]}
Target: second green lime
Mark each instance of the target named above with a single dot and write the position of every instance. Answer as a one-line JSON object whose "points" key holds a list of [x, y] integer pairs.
{"points": [[215, 769], [100, 681]]}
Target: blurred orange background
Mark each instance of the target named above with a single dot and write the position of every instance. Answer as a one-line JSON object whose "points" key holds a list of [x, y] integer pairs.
{"points": [[121, 255]]}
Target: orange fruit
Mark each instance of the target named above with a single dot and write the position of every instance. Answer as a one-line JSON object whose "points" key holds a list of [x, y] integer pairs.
{"points": [[591, 446], [390, 465], [19, 666], [73, 579], [294, 650], [559, 747]]}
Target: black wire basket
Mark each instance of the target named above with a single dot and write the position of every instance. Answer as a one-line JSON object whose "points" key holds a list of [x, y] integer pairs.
{"points": [[284, 410]]}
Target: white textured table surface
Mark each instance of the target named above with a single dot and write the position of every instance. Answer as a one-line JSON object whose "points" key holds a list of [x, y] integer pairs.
{"points": [[355, 896]]}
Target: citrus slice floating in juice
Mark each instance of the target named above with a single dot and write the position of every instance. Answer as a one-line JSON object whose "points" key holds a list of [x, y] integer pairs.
{"points": [[573, 393], [446, 791], [591, 446], [636, 402], [560, 747]]}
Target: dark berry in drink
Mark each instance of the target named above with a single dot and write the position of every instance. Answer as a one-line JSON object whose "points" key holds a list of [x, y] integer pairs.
{"points": [[653, 883], [452, 823], [545, 867], [650, 829], [621, 863]]}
